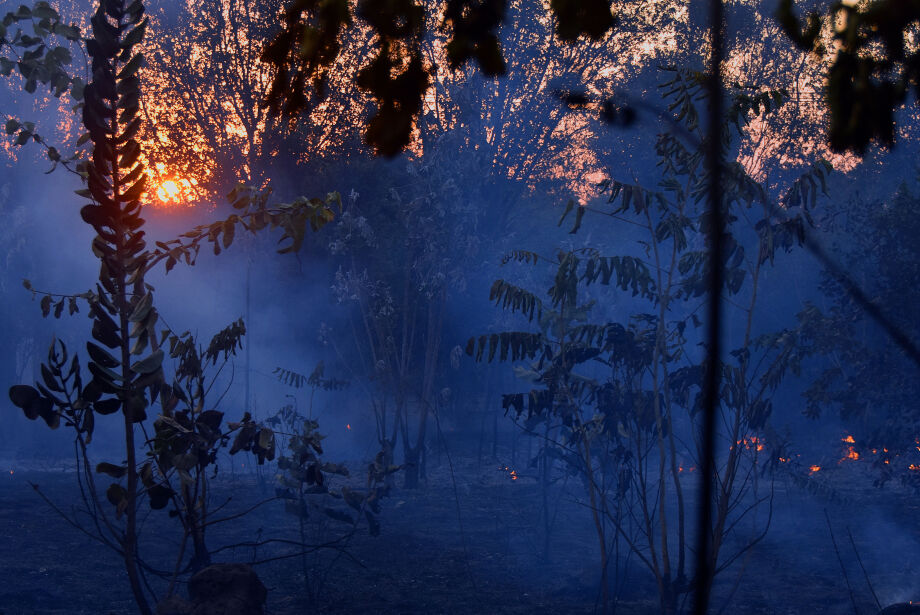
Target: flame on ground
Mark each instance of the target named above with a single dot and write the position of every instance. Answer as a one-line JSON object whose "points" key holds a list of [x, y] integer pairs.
{"points": [[851, 453], [751, 443], [511, 473], [348, 426], [883, 455]]}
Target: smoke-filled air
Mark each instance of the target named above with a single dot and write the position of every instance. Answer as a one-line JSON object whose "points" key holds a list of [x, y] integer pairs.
{"points": [[459, 307]]}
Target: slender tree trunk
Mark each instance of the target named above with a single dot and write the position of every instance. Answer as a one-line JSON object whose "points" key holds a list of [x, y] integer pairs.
{"points": [[248, 399], [704, 568], [129, 540], [201, 557]]}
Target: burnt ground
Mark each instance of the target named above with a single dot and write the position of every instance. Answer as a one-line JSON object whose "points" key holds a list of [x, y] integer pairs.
{"points": [[425, 562]]}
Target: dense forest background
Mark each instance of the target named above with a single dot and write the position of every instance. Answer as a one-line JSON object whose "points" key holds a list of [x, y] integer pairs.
{"points": [[488, 314]]}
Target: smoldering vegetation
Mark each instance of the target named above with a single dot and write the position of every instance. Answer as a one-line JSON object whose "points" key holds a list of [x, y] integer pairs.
{"points": [[468, 378]]}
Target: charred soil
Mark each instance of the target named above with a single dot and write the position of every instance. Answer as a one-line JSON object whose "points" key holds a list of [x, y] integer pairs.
{"points": [[470, 541]]}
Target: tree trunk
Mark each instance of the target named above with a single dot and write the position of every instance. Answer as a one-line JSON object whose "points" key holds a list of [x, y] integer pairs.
{"points": [[411, 469]]}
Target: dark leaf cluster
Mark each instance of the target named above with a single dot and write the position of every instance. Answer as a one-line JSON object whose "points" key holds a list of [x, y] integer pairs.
{"points": [[873, 70], [397, 76]]}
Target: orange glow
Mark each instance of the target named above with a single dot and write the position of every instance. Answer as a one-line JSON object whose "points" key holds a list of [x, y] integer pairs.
{"points": [[348, 426], [171, 191], [915, 467], [168, 190], [751, 443], [814, 469], [783, 459], [851, 452]]}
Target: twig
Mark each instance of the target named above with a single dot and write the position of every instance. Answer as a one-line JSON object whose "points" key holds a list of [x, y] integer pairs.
{"points": [[239, 514], [840, 561], [453, 480], [332, 544], [70, 521], [175, 575], [341, 551], [865, 574]]}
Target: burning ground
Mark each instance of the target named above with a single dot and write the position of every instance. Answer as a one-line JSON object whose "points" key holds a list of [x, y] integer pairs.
{"points": [[456, 549]]}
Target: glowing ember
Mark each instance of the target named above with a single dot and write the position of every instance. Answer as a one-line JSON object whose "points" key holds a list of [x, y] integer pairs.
{"points": [[851, 452], [511, 473], [813, 469], [915, 467], [11, 472], [751, 443], [348, 426], [783, 459]]}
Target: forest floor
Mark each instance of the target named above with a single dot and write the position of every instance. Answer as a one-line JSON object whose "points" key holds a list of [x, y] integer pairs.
{"points": [[470, 541]]}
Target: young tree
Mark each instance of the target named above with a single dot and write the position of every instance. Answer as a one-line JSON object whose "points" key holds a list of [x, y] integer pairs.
{"points": [[308, 482], [629, 392], [126, 358], [398, 259]]}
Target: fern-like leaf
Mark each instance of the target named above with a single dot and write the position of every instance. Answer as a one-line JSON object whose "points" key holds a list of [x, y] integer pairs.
{"points": [[290, 377], [515, 298], [521, 256], [508, 345]]}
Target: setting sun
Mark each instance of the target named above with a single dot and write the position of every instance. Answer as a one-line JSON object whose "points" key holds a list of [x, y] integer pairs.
{"points": [[172, 191]]}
